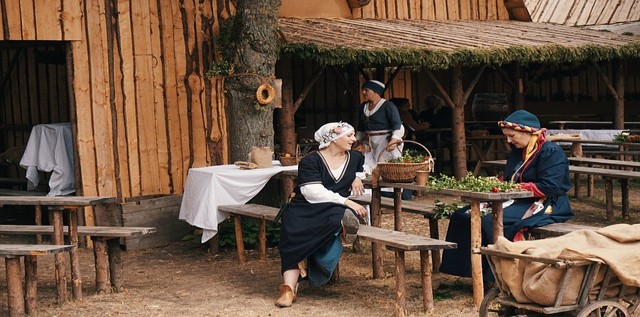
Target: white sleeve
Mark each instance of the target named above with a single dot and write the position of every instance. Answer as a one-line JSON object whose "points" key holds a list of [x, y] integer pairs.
{"points": [[360, 135], [397, 134], [317, 193]]}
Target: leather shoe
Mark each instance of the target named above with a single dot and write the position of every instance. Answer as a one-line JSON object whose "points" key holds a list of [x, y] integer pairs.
{"points": [[287, 297]]}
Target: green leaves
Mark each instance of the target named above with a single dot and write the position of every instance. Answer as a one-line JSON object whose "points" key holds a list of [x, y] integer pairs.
{"points": [[443, 210], [409, 156], [471, 183]]}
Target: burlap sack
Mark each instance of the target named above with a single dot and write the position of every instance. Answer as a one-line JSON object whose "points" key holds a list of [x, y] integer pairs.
{"points": [[261, 156]]}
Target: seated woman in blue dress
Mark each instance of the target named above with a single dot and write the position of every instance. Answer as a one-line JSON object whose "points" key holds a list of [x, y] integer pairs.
{"points": [[310, 244], [538, 166]]}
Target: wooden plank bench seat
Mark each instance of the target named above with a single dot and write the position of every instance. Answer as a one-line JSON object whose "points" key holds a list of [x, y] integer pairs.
{"points": [[558, 229], [17, 299], [426, 210], [106, 248], [399, 242]]}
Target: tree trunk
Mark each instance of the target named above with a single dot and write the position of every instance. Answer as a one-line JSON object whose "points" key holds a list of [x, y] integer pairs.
{"points": [[255, 33], [618, 111], [459, 152]]}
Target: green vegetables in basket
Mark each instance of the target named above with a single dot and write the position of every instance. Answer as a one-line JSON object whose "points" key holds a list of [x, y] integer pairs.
{"points": [[409, 156], [472, 183]]}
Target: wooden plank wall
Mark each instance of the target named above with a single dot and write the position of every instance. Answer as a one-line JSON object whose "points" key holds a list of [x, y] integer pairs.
{"points": [[142, 110], [433, 10], [584, 12]]}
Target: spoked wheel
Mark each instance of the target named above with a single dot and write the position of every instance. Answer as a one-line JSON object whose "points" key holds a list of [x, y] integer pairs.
{"points": [[491, 308], [604, 309]]}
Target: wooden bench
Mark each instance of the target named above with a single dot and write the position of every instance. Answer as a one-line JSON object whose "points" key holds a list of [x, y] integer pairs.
{"points": [[106, 248], [17, 299], [426, 210], [608, 175], [399, 242], [558, 229]]}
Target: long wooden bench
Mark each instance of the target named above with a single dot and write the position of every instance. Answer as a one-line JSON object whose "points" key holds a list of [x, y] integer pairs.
{"points": [[17, 299], [106, 248], [399, 242], [426, 210]]}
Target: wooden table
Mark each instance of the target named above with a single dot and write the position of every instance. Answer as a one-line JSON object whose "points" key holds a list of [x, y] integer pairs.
{"points": [[483, 145], [58, 205], [476, 234], [600, 124], [576, 148]]}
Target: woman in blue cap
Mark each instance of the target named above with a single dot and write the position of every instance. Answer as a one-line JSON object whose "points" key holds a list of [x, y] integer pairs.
{"points": [[538, 166]]}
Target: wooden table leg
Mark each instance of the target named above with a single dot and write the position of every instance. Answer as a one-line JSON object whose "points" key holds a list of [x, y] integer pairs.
{"points": [[434, 233], [101, 256], [401, 295], [38, 221], [115, 264], [476, 259], [608, 193], [14, 286], [237, 222], [397, 209], [376, 248], [624, 187], [31, 283], [76, 276], [427, 285], [262, 239], [58, 239], [496, 213]]}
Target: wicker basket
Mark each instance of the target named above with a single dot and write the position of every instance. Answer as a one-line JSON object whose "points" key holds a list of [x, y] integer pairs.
{"points": [[291, 160], [404, 172]]}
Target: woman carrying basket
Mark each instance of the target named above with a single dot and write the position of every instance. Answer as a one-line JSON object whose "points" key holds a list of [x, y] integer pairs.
{"points": [[538, 166], [379, 127], [310, 244]]}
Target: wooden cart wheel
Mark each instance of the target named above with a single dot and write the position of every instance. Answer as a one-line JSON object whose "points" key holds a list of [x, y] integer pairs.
{"points": [[604, 309], [491, 308]]}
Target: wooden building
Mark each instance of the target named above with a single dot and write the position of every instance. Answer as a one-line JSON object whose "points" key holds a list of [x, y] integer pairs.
{"points": [[130, 76]]}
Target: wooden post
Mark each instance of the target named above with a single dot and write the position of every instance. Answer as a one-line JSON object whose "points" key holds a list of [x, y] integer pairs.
{"points": [[58, 239], [76, 275], [14, 286], [476, 259], [427, 285], [102, 266], [401, 293], [38, 221], [31, 283], [376, 248], [115, 264], [237, 222], [624, 187]]}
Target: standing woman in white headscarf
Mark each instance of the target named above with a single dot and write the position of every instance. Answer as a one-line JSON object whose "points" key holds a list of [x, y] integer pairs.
{"points": [[310, 244]]}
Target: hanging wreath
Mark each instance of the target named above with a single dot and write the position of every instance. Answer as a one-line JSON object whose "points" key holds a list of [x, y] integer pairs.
{"points": [[265, 94]]}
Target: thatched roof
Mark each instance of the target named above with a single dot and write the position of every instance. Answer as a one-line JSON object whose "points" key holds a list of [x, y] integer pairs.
{"points": [[581, 13], [442, 44]]}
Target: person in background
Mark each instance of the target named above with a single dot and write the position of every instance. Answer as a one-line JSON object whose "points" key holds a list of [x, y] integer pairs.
{"points": [[437, 113], [310, 243], [538, 166], [414, 129], [380, 128]]}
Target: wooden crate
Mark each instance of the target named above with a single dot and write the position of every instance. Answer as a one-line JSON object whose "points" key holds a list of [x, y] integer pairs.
{"points": [[159, 211]]}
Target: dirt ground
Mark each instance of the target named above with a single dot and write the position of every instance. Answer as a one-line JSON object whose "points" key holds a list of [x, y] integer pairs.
{"points": [[184, 279]]}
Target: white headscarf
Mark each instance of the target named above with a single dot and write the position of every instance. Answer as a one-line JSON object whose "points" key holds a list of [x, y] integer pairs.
{"points": [[330, 132]]}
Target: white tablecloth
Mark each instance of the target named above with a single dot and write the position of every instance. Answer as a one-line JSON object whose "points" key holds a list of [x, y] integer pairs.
{"points": [[50, 149], [209, 187], [585, 134]]}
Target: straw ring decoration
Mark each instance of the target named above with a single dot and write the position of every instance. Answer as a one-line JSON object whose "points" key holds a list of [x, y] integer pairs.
{"points": [[265, 94]]}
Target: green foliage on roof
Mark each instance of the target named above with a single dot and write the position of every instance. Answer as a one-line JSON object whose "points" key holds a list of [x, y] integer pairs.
{"points": [[441, 59]]}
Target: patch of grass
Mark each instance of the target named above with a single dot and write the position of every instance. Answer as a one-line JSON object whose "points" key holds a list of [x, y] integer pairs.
{"points": [[447, 290]]}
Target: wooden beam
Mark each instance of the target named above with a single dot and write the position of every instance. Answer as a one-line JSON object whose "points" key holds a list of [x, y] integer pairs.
{"points": [[343, 81], [306, 89], [394, 74], [472, 84], [441, 90], [605, 79]]}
